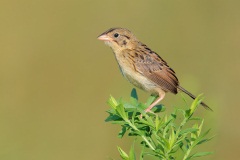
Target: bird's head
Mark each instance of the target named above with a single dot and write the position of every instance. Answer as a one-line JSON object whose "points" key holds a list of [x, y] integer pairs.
{"points": [[119, 39]]}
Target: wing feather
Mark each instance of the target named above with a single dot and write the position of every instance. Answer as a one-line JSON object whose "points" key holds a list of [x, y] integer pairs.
{"points": [[156, 69]]}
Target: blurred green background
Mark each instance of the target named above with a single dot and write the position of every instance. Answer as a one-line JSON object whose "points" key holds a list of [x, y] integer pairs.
{"points": [[55, 76]]}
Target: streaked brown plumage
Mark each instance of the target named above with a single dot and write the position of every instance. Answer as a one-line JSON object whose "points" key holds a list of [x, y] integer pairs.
{"points": [[141, 66]]}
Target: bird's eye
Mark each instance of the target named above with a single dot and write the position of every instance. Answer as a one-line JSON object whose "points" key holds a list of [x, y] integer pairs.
{"points": [[116, 35]]}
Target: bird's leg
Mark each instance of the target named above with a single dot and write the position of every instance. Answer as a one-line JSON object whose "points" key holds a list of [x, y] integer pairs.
{"points": [[161, 96]]}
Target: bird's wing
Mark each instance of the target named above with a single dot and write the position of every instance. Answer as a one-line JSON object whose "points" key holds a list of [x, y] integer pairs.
{"points": [[152, 66]]}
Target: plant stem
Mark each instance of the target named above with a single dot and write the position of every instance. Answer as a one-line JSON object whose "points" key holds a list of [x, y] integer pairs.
{"points": [[187, 153], [143, 137], [149, 144]]}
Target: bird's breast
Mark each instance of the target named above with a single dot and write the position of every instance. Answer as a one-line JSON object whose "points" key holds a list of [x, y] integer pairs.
{"points": [[126, 65]]}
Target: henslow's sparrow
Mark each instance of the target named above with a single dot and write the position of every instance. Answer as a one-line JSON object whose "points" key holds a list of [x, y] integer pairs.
{"points": [[141, 66]]}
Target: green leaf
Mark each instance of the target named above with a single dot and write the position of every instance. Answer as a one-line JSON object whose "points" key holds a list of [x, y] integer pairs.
{"points": [[196, 118], [134, 94], [121, 111], [158, 108], [200, 128], [132, 155], [194, 135], [160, 149], [187, 114], [188, 130], [167, 121], [142, 153], [164, 142], [204, 140], [195, 104], [201, 139], [150, 122], [129, 106], [123, 154], [184, 148], [112, 102], [122, 132], [150, 100], [118, 122], [172, 138], [200, 154], [134, 116], [134, 102], [205, 133], [112, 118], [157, 123], [146, 122], [111, 111], [174, 116]]}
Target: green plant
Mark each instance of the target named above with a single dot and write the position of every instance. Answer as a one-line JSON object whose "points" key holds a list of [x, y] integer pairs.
{"points": [[169, 137]]}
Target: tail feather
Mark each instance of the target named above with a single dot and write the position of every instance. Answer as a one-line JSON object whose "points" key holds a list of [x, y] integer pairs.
{"points": [[194, 97]]}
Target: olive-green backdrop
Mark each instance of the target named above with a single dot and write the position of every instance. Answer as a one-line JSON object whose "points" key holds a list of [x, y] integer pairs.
{"points": [[55, 76]]}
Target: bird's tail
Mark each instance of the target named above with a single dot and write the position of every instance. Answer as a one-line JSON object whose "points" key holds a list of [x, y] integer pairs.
{"points": [[194, 97]]}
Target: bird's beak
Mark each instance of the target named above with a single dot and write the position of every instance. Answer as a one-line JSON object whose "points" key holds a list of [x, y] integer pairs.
{"points": [[104, 38]]}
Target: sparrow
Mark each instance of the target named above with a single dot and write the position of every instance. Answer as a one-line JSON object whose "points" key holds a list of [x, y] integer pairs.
{"points": [[141, 66]]}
